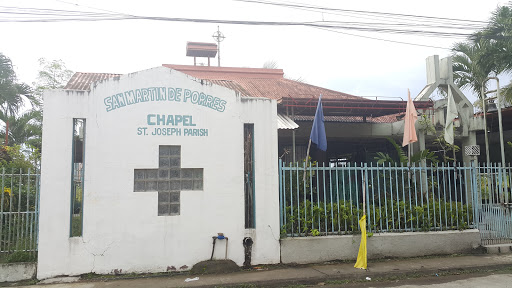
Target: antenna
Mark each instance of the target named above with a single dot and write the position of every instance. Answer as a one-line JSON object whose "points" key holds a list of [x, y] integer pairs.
{"points": [[218, 37]]}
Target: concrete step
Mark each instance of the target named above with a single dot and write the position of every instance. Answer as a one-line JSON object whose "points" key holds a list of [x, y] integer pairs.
{"points": [[498, 248]]}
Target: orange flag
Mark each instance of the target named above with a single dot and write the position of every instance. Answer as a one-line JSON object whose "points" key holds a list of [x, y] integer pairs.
{"points": [[410, 118]]}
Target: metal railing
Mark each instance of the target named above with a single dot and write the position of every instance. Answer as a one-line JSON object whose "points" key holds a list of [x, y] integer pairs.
{"points": [[398, 198], [19, 210]]}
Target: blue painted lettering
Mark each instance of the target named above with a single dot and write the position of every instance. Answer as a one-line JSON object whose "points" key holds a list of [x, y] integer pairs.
{"points": [[130, 97], [150, 119], [152, 94], [187, 95], [120, 98], [145, 94], [177, 119], [209, 101], [222, 106], [115, 102], [138, 96], [108, 103], [195, 97], [172, 94], [160, 119], [162, 94], [178, 94]]}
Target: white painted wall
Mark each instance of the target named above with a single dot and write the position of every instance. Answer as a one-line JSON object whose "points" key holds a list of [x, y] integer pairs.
{"points": [[121, 227]]}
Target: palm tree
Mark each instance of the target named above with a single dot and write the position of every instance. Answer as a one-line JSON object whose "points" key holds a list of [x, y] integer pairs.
{"points": [[24, 129], [498, 34], [11, 92], [468, 72], [498, 37]]}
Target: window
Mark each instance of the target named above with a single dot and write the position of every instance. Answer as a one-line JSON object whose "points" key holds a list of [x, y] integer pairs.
{"points": [[249, 176], [77, 178]]}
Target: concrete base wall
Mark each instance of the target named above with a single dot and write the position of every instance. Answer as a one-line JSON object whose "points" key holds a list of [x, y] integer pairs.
{"points": [[411, 244], [17, 271]]}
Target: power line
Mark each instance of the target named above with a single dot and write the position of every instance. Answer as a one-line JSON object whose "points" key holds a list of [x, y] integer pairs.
{"points": [[355, 35], [46, 15], [300, 5], [418, 29], [386, 40]]}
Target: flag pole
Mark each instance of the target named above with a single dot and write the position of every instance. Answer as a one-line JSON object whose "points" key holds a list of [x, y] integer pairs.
{"points": [[364, 194], [307, 158]]}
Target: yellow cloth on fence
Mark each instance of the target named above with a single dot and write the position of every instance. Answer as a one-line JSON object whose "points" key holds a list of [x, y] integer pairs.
{"points": [[361, 262]]}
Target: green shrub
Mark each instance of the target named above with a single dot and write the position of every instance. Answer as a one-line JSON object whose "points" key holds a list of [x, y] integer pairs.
{"points": [[21, 256], [391, 217]]}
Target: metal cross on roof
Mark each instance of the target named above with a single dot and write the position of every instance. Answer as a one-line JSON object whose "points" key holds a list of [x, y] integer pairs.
{"points": [[168, 180]]}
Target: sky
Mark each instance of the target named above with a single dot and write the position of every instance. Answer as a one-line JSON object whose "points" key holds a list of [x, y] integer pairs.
{"points": [[346, 63]]}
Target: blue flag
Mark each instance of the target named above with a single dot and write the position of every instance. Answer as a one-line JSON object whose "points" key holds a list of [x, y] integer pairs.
{"points": [[318, 131]]}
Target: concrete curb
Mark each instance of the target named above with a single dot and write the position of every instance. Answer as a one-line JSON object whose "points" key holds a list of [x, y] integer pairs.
{"points": [[399, 245], [13, 272]]}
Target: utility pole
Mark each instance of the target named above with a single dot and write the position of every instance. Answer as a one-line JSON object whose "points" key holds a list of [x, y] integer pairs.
{"points": [[218, 37], [500, 125]]}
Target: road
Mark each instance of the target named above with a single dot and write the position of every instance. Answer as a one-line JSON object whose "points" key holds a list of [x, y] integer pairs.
{"points": [[451, 281]]}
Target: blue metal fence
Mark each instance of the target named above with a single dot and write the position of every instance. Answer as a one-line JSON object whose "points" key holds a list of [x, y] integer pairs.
{"points": [[494, 214], [329, 199], [19, 210]]}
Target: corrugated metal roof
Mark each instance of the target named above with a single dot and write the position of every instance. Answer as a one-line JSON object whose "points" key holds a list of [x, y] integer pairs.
{"points": [[278, 89], [250, 82], [83, 81], [259, 82], [285, 122], [352, 119], [226, 73]]}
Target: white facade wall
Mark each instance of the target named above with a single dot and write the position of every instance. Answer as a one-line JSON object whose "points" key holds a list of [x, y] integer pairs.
{"points": [[122, 229]]}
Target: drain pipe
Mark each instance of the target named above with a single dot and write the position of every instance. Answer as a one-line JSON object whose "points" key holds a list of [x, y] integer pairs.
{"points": [[220, 236], [247, 242]]}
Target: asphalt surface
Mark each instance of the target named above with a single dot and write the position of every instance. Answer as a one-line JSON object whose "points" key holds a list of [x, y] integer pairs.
{"points": [[390, 273]]}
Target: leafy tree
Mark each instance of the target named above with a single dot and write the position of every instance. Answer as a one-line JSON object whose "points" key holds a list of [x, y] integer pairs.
{"points": [[443, 146], [52, 75], [17, 157], [272, 64]]}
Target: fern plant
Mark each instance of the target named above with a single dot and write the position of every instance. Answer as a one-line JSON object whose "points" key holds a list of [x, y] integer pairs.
{"points": [[402, 157]]}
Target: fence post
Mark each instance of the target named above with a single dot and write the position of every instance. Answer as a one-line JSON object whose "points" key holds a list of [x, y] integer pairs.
{"points": [[474, 193], [280, 164], [367, 196]]}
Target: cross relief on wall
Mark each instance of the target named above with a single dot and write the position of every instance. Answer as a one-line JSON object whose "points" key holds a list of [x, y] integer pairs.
{"points": [[168, 180]]}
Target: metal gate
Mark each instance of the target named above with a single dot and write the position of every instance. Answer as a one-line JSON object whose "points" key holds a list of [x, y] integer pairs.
{"points": [[495, 209]]}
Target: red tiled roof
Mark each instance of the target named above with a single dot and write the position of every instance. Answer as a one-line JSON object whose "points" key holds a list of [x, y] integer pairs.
{"points": [[83, 81]]}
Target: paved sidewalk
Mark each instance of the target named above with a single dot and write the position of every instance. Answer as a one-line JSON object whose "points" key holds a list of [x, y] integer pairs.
{"points": [[311, 274]]}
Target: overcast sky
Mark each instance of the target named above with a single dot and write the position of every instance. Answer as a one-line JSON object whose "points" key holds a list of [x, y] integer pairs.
{"points": [[350, 64]]}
